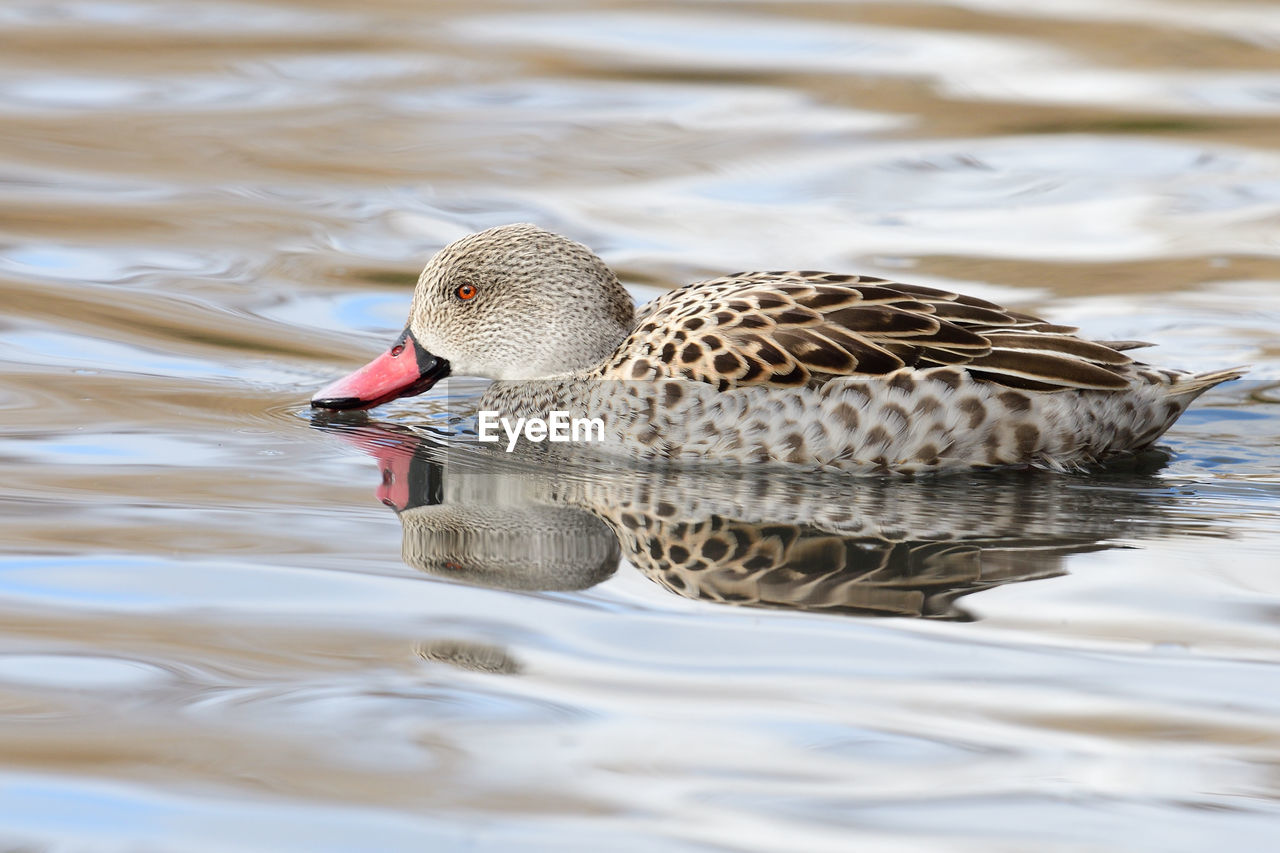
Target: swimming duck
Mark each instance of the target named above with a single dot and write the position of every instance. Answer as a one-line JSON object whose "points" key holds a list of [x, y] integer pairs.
{"points": [[814, 369]]}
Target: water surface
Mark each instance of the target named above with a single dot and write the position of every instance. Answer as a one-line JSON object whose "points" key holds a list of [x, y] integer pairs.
{"points": [[215, 636]]}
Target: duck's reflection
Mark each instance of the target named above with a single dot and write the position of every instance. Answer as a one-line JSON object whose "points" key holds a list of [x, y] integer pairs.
{"points": [[470, 656], [766, 539]]}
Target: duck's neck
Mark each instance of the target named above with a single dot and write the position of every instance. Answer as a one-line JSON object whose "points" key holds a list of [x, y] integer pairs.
{"points": [[610, 340], [586, 337]]}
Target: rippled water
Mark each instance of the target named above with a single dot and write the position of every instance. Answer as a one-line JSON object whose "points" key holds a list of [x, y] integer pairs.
{"points": [[215, 636]]}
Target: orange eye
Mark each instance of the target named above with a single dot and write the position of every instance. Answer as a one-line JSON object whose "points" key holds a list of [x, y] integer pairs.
{"points": [[467, 291]]}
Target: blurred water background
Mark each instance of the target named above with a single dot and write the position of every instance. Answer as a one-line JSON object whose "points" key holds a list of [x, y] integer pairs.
{"points": [[210, 638]]}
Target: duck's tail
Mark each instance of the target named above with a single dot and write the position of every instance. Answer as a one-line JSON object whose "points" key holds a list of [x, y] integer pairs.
{"points": [[1194, 384]]}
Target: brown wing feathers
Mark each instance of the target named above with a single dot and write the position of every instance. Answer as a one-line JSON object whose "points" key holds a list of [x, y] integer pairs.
{"points": [[787, 328]]}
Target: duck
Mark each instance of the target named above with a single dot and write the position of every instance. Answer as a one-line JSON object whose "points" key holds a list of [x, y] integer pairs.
{"points": [[800, 368]]}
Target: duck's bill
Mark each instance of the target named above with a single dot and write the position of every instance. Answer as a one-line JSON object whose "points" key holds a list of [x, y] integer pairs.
{"points": [[402, 371]]}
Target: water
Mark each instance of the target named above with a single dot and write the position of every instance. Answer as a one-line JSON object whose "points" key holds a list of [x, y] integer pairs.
{"points": [[211, 639]]}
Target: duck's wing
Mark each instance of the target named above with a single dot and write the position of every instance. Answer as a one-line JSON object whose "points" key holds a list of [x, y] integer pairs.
{"points": [[788, 328]]}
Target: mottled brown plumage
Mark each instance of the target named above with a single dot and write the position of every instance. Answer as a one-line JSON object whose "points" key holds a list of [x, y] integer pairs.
{"points": [[791, 328]]}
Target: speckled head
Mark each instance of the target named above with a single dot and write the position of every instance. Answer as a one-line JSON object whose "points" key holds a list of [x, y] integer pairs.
{"points": [[513, 302], [518, 302]]}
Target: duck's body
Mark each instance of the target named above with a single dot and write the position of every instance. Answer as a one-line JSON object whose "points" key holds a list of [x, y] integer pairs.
{"points": [[909, 421], [803, 368]]}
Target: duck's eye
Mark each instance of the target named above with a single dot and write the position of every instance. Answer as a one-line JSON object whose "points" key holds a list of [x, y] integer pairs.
{"points": [[466, 291]]}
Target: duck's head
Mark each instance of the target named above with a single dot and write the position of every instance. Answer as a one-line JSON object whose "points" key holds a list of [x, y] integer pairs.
{"points": [[513, 302]]}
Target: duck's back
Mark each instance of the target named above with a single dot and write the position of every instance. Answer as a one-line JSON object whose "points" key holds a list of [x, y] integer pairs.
{"points": [[792, 328]]}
